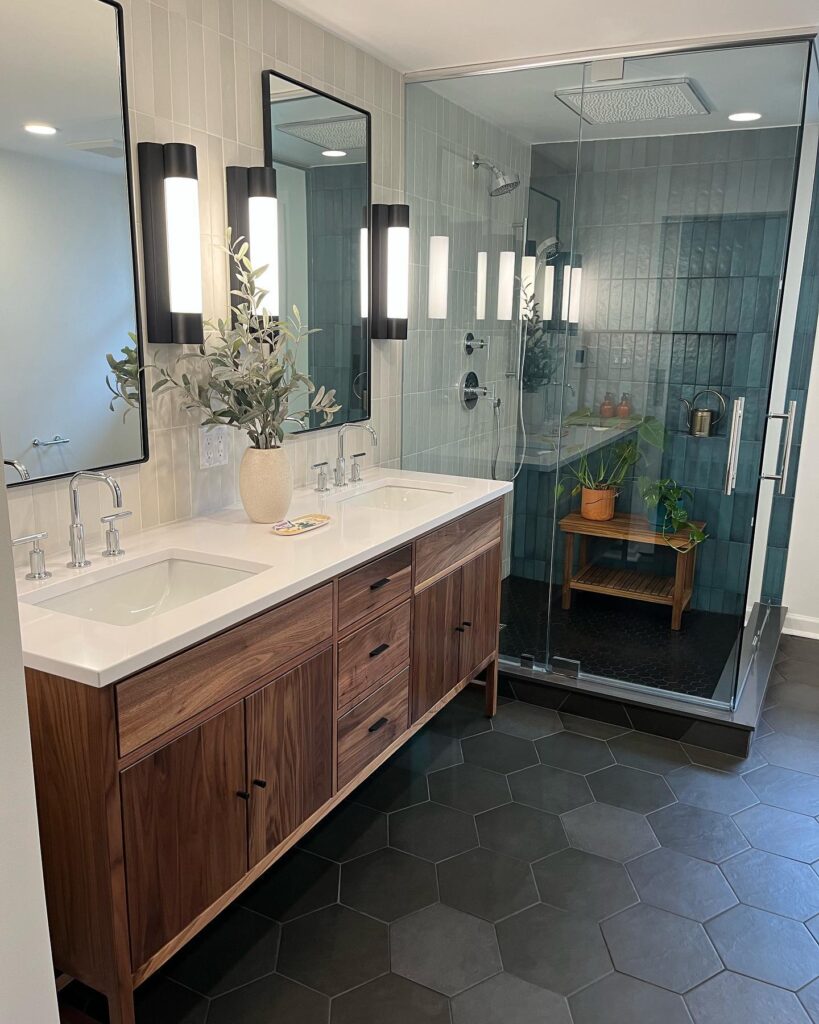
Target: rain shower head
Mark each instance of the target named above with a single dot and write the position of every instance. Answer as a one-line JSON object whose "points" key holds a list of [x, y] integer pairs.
{"points": [[501, 181], [548, 250]]}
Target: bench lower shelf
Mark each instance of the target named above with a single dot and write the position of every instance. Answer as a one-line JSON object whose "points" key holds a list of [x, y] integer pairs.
{"points": [[629, 583]]}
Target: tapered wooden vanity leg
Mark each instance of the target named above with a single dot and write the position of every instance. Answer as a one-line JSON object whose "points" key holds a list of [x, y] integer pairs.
{"points": [[492, 687], [121, 1008]]}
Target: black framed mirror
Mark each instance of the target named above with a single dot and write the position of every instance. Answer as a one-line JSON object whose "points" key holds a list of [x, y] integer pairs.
{"points": [[68, 285], [320, 149]]}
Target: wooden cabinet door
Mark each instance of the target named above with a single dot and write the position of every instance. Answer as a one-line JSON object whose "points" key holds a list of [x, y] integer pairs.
{"points": [[289, 752], [480, 609], [436, 642], [185, 829]]}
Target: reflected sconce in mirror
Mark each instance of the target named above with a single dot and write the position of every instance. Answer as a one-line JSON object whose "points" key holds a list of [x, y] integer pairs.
{"points": [[390, 271], [364, 268], [506, 284], [528, 271], [169, 190], [438, 276], [480, 291], [571, 291], [253, 214]]}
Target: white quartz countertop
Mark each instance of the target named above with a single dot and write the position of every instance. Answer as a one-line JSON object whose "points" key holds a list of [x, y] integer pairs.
{"points": [[98, 653]]}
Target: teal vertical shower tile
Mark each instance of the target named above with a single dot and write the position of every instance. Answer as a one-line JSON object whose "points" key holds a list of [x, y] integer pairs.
{"points": [[692, 305], [684, 249], [732, 304], [706, 305], [739, 247]]}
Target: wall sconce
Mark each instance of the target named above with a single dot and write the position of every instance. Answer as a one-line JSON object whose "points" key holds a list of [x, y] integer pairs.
{"points": [[506, 285], [547, 292], [571, 291], [480, 295], [438, 276], [364, 266], [253, 214], [390, 271], [169, 191], [528, 270]]}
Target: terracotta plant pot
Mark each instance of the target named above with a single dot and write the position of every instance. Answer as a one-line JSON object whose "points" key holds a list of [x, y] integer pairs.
{"points": [[266, 484], [598, 505]]}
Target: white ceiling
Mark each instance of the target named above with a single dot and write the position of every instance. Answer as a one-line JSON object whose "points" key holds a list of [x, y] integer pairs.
{"points": [[415, 35]]}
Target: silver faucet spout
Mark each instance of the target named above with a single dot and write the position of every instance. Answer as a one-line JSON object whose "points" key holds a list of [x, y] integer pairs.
{"points": [[76, 534], [21, 470], [340, 472]]}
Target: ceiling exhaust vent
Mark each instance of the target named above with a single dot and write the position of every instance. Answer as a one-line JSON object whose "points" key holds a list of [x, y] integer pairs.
{"points": [[339, 133], [100, 147], [634, 101]]}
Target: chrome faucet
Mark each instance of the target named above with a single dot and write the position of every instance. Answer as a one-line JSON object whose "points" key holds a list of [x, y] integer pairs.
{"points": [[19, 467], [340, 472], [77, 530]]}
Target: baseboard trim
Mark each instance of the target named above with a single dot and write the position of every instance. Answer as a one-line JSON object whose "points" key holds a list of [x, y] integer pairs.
{"points": [[802, 625]]}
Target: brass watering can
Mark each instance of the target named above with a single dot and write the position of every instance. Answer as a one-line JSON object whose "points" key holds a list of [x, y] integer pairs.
{"points": [[700, 422]]}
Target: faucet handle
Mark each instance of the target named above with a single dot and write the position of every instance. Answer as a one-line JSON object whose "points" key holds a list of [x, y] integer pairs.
{"points": [[355, 471], [36, 557], [321, 479], [112, 548]]}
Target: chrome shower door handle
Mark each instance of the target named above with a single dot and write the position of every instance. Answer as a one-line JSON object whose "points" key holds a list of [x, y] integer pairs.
{"points": [[734, 440], [790, 418]]}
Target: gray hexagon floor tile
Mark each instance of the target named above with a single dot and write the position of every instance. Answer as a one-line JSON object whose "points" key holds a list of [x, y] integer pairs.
{"points": [[469, 788], [271, 998], [794, 693], [388, 998], [651, 753], [782, 787], [608, 831], [388, 884], [680, 884], [521, 832], [432, 831], [724, 762], [777, 884], [458, 720], [631, 788], [486, 884], [161, 1001], [790, 752], [794, 721], [550, 789], [510, 1000], [697, 832], [429, 751], [499, 752], [393, 787], [712, 790], [333, 950], [584, 883], [619, 999], [661, 948], [733, 999], [526, 721], [444, 949], [809, 997], [784, 832], [297, 884], [548, 947], [348, 832], [574, 752], [766, 947], [237, 948], [591, 727]]}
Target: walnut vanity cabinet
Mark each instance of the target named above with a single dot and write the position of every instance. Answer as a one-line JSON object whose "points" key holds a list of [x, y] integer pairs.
{"points": [[164, 796]]}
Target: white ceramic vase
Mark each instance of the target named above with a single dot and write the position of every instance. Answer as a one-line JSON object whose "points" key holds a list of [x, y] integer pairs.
{"points": [[266, 484]]}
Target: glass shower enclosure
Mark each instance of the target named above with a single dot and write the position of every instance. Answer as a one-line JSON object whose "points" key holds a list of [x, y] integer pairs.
{"points": [[642, 308]]}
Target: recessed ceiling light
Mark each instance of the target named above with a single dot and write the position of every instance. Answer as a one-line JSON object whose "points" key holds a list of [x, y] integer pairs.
{"points": [[334, 152], [744, 116], [40, 129]]}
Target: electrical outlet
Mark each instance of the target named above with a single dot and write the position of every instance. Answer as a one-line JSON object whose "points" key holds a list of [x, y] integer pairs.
{"points": [[214, 447]]}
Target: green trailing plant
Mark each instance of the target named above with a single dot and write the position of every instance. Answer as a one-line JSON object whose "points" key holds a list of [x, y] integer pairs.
{"points": [[603, 470], [124, 379], [540, 358], [670, 496], [245, 375]]}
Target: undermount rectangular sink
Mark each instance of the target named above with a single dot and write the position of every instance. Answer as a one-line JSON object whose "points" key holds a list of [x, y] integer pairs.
{"points": [[143, 593], [395, 497]]}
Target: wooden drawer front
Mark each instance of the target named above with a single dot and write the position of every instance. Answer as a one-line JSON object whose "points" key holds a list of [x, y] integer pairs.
{"points": [[174, 690], [364, 592], [372, 654], [372, 726], [456, 542]]}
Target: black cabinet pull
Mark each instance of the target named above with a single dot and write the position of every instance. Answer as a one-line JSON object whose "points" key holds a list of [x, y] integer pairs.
{"points": [[379, 650], [261, 783], [465, 623], [460, 629], [243, 794], [380, 583], [378, 725]]}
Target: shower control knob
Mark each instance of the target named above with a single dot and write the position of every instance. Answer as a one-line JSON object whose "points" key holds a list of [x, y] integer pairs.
{"points": [[471, 343]]}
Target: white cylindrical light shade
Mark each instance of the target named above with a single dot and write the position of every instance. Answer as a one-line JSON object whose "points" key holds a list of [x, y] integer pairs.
{"points": [[506, 285], [184, 252], [547, 292], [480, 294], [398, 273], [438, 276], [364, 273], [263, 217], [572, 283], [528, 266]]}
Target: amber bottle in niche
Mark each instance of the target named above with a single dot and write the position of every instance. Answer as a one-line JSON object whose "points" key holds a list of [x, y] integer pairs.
{"points": [[607, 407], [625, 408]]}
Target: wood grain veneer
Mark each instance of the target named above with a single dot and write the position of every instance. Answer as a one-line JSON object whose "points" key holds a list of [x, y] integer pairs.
{"points": [[364, 592], [480, 609], [455, 543], [435, 642], [372, 726], [372, 654]]}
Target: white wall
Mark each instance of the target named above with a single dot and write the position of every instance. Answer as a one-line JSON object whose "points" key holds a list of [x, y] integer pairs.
{"points": [[27, 992]]}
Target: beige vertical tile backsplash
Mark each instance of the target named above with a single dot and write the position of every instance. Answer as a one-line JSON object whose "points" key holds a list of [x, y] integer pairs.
{"points": [[194, 75]]}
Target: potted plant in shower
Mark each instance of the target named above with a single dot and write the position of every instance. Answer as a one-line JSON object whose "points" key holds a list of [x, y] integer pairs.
{"points": [[244, 376], [539, 362], [665, 500], [597, 478]]}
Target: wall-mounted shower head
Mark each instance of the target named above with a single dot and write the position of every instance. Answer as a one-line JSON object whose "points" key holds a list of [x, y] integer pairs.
{"points": [[502, 182], [548, 249]]}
